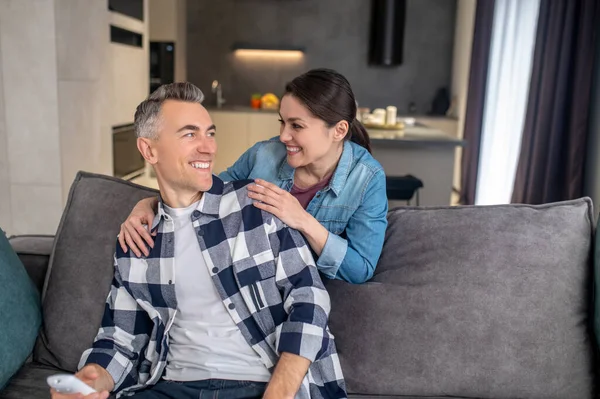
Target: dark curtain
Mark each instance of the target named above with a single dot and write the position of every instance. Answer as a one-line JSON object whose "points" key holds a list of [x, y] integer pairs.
{"points": [[480, 55], [553, 146]]}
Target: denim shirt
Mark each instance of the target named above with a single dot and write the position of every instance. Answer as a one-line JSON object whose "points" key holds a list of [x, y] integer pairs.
{"points": [[353, 206]]}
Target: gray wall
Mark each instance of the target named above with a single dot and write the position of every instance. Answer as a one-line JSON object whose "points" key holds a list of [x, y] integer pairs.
{"points": [[335, 34]]}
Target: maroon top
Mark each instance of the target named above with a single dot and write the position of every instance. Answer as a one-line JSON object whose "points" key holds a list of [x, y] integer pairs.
{"points": [[305, 195]]}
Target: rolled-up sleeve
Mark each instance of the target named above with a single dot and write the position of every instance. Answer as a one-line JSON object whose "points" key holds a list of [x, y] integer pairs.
{"points": [[355, 257], [121, 338], [332, 255], [307, 303]]}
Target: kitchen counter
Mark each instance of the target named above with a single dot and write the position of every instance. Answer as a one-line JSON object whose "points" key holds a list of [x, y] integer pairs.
{"points": [[414, 136], [422, 151]]}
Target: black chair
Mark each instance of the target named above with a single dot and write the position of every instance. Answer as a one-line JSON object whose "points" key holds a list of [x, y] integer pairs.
{"points": [[403, 188]]}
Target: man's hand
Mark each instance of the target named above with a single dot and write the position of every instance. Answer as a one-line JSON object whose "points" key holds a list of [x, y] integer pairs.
{"points": [[287, 377], [94, 376]]}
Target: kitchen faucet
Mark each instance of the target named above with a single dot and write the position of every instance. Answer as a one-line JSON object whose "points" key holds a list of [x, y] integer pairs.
{"points": [[216, 88]]}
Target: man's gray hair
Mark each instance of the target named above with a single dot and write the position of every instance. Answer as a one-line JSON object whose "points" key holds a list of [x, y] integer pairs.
{"points": [[147, 114]]}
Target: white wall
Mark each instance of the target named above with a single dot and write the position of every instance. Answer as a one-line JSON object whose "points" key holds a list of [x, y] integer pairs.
{"points": [[54, 106], [461, 64], [463, 42], [163, 20], [168, 23], [181, 41], [32, 169], [84, 91], [130, 69]]}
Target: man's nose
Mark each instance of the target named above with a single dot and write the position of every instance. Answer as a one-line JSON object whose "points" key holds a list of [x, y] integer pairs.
{"points": [[206, 145]]}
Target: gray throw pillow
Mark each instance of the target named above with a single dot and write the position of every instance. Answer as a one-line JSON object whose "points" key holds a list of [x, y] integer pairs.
{"points": [[81, 266]]}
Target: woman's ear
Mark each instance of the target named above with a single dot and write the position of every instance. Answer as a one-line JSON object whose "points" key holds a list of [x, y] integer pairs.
{"points": [[340, 130], [147, 150]]}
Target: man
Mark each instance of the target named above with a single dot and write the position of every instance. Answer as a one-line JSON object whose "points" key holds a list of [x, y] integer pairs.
{"points": [[229, 302]]}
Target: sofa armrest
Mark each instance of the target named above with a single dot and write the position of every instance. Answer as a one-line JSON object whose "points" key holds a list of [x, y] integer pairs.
{"points": [[34, 251]]}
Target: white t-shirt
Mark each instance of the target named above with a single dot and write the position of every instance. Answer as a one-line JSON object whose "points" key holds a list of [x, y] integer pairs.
{"points": [[204, 342]]}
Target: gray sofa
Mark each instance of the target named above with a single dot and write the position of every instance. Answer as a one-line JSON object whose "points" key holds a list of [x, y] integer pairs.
{"points": [[466, 302]]}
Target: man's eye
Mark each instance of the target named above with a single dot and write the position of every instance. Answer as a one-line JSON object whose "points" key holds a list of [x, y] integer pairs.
{"points": [[211, 134], [189, 135], [280, 121]]}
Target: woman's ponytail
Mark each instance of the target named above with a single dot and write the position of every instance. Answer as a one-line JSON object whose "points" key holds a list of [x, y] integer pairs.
{"points": [[358, 134]]}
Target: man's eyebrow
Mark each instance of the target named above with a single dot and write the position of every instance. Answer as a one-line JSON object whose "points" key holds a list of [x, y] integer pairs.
{"points": [[196, 128], [189, 127]]}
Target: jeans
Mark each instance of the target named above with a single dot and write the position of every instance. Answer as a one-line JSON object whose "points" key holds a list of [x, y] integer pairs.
{"points": [[205, 389]]}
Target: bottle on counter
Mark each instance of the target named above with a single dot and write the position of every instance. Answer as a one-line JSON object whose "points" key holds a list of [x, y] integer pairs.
{"points": [[362, 114], [390, 115], [378, 116]]}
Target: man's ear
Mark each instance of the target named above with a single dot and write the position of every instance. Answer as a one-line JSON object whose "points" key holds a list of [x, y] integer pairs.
{"points": [[146, 148], [340, 130]]}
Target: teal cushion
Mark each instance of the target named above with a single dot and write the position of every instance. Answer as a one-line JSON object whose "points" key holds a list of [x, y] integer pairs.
{"points": [[20, 312]]}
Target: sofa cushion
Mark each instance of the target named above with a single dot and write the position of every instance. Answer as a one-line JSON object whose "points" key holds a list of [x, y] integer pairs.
{"points": [[20, 313], [81, 266], [29, 382], [486, 302], [34, 252]]}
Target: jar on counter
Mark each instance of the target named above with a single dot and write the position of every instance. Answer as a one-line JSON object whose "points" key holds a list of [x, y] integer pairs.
{"points": [[362, 114], [390, 115]]}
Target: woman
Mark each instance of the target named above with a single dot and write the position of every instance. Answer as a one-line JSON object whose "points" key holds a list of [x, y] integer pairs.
{"points": [[318, 177]]}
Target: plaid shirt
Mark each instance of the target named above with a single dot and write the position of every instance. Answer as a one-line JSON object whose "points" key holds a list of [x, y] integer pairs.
{"points": [[264, 273]]}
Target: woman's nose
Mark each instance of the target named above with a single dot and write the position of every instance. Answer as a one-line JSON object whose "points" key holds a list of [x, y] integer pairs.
{"points": [[284, 136]]}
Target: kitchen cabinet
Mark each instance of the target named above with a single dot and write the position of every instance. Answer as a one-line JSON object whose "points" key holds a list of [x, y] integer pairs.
{"points": [[262, 126], [445, 124], [424, 152], [237, 131]]}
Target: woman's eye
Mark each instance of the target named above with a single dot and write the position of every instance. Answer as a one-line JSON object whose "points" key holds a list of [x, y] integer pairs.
{"points": [[296, 126]]}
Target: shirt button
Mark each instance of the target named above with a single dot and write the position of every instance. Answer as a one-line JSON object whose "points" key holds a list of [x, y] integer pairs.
{"points": [[200, 232], [215, 270], [231, 306], [196, 214], [170, 281]]}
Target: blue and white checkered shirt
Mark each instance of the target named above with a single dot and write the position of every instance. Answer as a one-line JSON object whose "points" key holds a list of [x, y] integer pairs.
{"points": [[264, 273]]}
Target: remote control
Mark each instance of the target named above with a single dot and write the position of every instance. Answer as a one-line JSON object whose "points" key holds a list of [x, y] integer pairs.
{"points": [[69, 384]]}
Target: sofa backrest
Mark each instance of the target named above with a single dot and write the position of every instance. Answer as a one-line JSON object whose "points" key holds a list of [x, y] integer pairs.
{"points": [[486, 302], [81, 266], [489, 302]]}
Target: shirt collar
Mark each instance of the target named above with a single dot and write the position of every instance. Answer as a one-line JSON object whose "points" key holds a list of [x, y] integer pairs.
{"points": [[340, 175], [338, 180], [209, 205]]}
